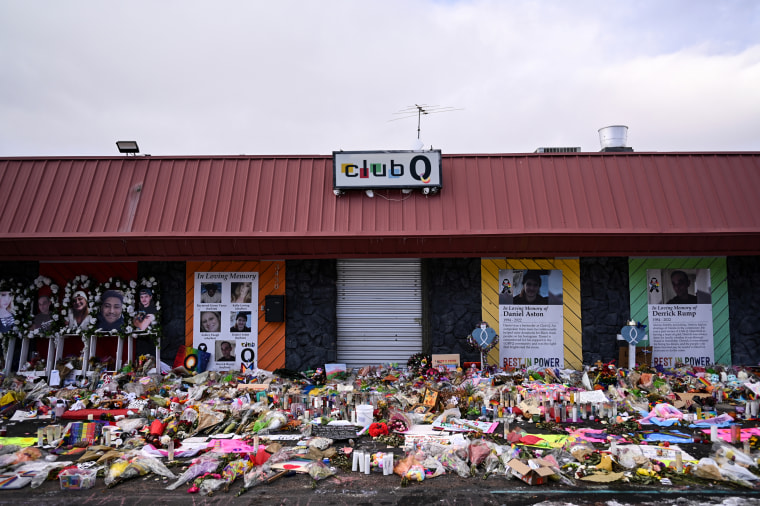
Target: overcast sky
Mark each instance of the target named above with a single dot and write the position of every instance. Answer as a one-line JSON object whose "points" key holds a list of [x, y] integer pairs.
{"points": [[186, 77]]}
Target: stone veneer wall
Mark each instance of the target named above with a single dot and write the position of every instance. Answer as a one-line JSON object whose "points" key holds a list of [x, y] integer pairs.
{"points": [[452, 295], [605, 306], [311, 327], [454, 304], [744, 309]]}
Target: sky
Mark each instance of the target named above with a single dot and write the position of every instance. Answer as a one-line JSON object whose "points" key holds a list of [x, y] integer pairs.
{"points": [[230, 77]]}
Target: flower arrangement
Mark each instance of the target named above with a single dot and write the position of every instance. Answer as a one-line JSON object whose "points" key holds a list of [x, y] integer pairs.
{"points": [[79, 319], [12, 315], [378, 429], [483, 339], [39, 324], [127, 308], [419, 362], [147, 311], [399, 422]]}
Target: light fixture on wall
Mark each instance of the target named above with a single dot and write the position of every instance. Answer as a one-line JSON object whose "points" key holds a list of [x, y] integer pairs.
{"points": [[369, 193], [128, 147]]}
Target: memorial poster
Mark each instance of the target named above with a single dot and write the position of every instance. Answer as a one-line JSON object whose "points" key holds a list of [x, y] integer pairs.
{"points": [[680, 317], [226, 319], [531, 333]]}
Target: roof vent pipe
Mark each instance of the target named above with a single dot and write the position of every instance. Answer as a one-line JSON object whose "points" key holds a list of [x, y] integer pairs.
{"points": [[613, 136]]}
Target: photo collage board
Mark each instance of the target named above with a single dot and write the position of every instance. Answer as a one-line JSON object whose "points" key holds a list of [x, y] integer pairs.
{"points": [[226, 319]]}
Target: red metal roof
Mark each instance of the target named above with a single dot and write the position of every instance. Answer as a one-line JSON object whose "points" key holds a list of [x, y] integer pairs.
{"points": [[259, 207]]}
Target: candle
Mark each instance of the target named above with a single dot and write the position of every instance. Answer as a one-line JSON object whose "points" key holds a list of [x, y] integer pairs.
{"points": [[736, 434], [387, 464], [367, 463]]}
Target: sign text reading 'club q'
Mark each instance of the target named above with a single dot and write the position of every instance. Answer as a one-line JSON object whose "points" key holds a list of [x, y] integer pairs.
{"points": [[386, 169]]}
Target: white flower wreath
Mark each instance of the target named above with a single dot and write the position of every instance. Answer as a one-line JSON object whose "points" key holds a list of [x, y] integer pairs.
{"points": [[86, 327], [21, 304], [128, 307], [154, 325], [56, 325]]}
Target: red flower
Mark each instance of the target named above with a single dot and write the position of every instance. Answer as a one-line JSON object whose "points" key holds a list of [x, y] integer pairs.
{"points": [[378, 429]]}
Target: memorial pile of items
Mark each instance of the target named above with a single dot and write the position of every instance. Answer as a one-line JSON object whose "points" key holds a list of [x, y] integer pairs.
{"points": [[227, 432]]}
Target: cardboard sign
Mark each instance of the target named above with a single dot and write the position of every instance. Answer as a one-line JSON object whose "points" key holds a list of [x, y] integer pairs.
{"points": [[532, 472], [449, 361]]}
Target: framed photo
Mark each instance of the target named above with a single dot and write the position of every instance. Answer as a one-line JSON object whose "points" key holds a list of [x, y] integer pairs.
{"points": [[428, 402], [421, 409], [431, 397]]}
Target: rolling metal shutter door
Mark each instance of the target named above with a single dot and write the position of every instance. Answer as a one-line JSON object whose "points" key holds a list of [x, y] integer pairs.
{"points": [[379, 311]]}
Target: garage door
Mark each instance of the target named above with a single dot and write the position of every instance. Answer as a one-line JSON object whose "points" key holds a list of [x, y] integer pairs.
{"points": [[379, 311]]}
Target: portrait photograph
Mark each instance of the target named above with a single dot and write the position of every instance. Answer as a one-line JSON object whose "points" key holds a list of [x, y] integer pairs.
{"points": [[240, 292], [111, 314], [211, 293], [225, 351], [211, 321], [240, 321], [145, 308]]}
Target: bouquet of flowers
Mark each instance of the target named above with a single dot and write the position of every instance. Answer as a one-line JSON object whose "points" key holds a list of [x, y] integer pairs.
{"points": [[399, 422]]}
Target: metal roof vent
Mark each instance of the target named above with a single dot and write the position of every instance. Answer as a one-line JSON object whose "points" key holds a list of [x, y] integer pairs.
{"points": [[558, 150], [614, 138]]}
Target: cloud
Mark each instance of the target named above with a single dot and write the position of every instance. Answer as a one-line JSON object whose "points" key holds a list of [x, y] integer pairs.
{"points": [[286, 77]]}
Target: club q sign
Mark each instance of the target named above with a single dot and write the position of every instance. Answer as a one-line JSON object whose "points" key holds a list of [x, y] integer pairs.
{"points": [[355, 170]]}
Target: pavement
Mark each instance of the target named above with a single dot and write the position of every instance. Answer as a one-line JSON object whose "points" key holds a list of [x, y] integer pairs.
{"points": [[354, 488]]}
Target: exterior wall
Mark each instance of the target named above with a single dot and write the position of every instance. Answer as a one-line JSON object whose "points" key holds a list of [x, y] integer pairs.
{"points": [[605, 306], [571, 310], [454, 304], [452, 298], [311, 298], [271, 335], [26, 272], [451, 294], [744, 309]]}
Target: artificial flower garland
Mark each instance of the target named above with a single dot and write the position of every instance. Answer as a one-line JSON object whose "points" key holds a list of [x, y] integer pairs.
{"points": [[128, 304], [44, 286], [21, 302], [86, 327], [154, 329]]}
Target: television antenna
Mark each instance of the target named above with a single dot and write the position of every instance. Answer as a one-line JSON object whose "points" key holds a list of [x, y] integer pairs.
{"points": [[420, 109]]}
